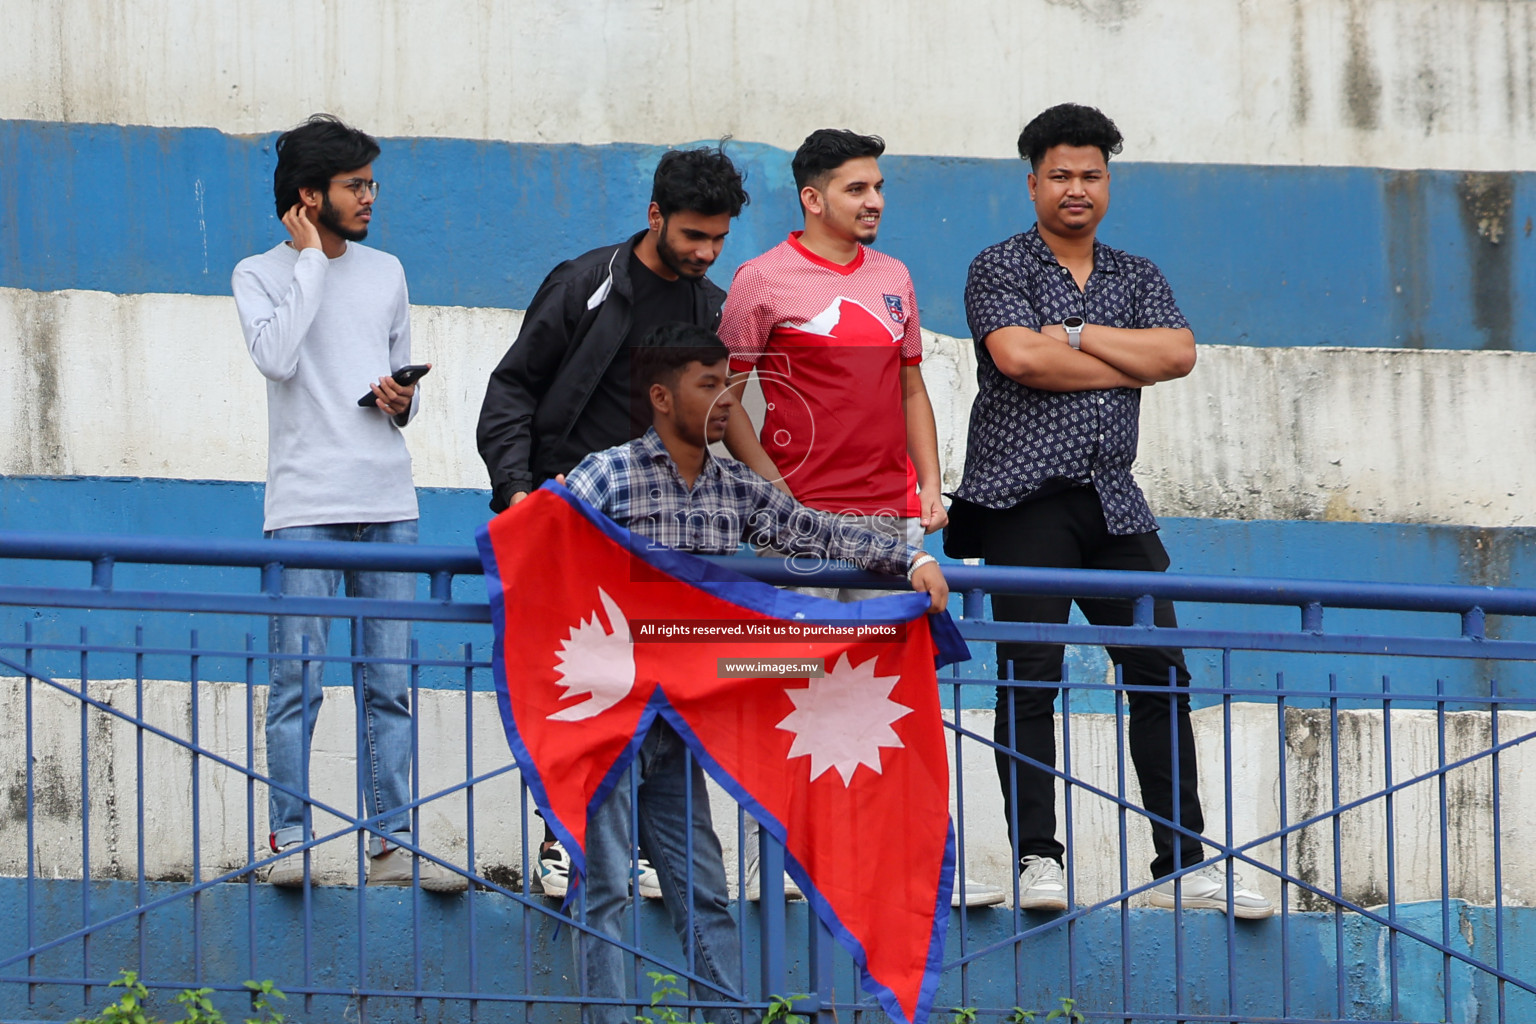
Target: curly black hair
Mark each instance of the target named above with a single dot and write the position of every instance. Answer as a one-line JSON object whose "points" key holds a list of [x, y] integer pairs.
{"points": [[699, 180], [1068, 124]]}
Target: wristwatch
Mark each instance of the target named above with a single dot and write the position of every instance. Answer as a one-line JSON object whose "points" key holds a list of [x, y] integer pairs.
{"points": [[1073, 325]]}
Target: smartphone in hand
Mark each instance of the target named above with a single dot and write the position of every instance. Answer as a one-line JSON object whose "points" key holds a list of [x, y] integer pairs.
{"points": [[404, 377]]}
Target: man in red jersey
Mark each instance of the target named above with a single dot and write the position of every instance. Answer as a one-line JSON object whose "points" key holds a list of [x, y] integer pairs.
{"points": [[831, 328]]}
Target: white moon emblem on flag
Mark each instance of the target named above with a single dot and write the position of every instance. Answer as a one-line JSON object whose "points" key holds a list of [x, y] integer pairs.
{"points": [[843, 719], [596, 663]]}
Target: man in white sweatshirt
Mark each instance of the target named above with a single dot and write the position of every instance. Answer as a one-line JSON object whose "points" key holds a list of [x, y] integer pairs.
{"points": [[327, 320]]}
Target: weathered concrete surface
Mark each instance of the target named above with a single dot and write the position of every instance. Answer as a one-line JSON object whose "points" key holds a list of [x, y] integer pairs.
{"points": [[161, 386], [226, 824], [1395, 83]]}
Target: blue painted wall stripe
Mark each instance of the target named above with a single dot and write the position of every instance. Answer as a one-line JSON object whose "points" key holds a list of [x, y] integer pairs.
{"points": [[224, 510], [1306, 945], [1257, 255]]}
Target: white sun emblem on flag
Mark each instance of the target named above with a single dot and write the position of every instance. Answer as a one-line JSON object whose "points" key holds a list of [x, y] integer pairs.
{"points": [[843, 719], [595, 663]]}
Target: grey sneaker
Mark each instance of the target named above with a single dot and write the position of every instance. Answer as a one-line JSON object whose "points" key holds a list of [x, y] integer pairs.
{"points": [[393, 867], [1206, 889], [976, 895], [288, 872], [752, 889], [1041, 885]]}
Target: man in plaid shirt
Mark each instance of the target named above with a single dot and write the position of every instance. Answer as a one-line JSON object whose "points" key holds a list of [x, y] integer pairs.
{"points": [[667, 487]]}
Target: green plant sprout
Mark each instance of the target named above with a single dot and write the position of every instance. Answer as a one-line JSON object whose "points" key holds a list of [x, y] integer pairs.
{"points": [[196, 1004]]}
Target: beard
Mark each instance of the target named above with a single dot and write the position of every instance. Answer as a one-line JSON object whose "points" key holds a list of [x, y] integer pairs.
{"points": [[331, 220], [673, 261]]}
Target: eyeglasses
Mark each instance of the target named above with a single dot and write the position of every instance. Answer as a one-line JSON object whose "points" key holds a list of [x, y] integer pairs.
{"points": [[359, 186]]}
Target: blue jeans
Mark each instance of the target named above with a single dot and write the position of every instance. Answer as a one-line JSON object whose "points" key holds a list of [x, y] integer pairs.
{"points": [[710, 936], [293, 702]]}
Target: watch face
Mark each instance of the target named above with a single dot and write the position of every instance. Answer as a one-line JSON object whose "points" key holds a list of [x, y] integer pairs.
{"points": [[1073, 323]]}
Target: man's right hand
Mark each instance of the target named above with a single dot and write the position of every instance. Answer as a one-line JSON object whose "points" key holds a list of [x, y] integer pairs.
{"points": [[518, 496], [301, 228]]}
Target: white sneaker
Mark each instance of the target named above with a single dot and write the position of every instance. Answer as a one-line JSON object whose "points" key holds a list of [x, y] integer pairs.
{"points": [[287, 873], [976, 895], [555, 871], [1041, 885], [649, 884], [395, 867], [1206, 889]]}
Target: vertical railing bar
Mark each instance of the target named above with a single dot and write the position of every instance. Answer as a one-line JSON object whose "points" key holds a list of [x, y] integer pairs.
{"points": [[1178, 838], [1281, 748], [1226, 752], [417, 979], [634, 842], [958, 883], [1009, 676], [741, 890], [141, 885], [1498, 851], [85, 814], [250, 804], [307, 818], [26, 634], [1121, 811], [193, 667], [1338, 841], [690, 950], [1392, 935], [361, 746], [469, 820], [1445, 867], [1066, 794], [525, 919]]}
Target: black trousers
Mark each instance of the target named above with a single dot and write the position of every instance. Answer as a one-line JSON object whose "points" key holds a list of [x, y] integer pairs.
{"points": [[1066, 530]]}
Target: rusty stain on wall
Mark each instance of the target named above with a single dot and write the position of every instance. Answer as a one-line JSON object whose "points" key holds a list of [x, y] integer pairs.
{"points": [[1362, 83], [1486, 204]]}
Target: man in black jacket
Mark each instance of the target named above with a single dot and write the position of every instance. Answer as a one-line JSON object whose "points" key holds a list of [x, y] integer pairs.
{"points": [[562, 391]]}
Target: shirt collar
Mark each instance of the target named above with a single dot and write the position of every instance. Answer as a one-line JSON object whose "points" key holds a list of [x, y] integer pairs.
{"points": [[1104, 257], [652, 448]]}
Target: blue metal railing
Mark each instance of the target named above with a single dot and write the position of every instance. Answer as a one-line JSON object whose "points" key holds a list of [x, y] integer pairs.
{"points": [[1344, 801]]}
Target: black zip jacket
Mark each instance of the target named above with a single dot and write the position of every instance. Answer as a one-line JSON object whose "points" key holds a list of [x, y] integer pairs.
{"points": [[574, 327]]}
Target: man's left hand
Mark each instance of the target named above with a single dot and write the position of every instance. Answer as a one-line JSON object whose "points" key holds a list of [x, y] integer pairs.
{"points": [[934, 517], [929, 579], [1055, 332], [393, 399]]}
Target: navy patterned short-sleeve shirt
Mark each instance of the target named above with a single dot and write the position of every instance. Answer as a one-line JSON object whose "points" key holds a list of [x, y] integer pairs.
{"points": [[1020, 437]]}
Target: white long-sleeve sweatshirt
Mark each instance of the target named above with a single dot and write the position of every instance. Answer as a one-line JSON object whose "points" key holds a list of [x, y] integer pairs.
{"points": [[321, 331]]}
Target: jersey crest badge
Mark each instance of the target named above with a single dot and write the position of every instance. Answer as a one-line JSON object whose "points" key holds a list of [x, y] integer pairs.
{"points": [[893, 307]]}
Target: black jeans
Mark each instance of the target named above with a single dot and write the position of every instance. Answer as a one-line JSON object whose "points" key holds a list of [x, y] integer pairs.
{"points": [[1067, 530]]}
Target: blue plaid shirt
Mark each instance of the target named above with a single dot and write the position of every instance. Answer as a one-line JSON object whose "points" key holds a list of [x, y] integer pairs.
{"points": [[637, 486], [1020, 436]]}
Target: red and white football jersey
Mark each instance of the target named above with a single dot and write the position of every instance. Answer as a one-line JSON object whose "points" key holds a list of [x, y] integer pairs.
{"points": [[828, 342]]}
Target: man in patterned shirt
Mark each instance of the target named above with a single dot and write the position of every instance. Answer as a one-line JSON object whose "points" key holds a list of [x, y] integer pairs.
{"points": [[666, 487], [1067, 332]]}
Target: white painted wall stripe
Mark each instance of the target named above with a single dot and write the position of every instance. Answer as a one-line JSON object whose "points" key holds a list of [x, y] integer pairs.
{"points": [[1393, 83], [161, 386]]}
